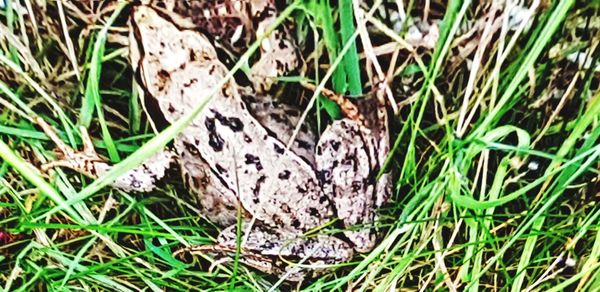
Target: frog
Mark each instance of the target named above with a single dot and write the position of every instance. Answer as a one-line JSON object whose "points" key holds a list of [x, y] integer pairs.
{"points": [[233, 156]]}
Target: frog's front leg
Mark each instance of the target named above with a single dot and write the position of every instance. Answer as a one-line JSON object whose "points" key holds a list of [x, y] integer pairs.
{"points": [[349, 156], [142, 178], [346, 174], [277, 251]]}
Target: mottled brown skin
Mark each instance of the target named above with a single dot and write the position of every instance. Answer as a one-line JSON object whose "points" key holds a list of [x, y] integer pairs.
{"points": [[233, 155]]}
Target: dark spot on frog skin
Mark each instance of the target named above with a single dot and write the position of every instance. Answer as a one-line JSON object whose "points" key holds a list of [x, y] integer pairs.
{"points": [[303, 144], [214, 140], [356, 186], [163, 77], [301, 190], [278, 149], [279, 65], [163, 74], [267, 245], [351, 159], [190, 82], [282, 44], [256, 188], [323, 199], [314, 212], [136, 184], [235, 124], [210, 124], [251, 159], [278, 220], [192, 55], [278, 118], [324, 176], [284, 174], [224, 92], [335, 145], [220, 169], [319, 150], [247, 139], [296, 223]]}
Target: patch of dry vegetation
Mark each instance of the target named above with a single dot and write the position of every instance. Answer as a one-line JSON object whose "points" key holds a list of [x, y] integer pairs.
{"points": [[496, 143]]}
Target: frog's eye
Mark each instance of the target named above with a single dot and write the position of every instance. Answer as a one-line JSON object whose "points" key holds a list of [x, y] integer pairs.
{"points": [[191, 148]]}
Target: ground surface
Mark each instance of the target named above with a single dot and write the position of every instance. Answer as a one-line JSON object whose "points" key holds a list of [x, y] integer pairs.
{"points": [[495, 148]]}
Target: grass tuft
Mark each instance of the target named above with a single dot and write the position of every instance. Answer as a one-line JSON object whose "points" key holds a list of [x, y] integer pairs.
{"points": [[495, 118]]}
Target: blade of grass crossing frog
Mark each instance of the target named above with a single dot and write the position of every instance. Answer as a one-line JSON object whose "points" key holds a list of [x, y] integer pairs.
{"points": [[332, 44], [317, 91], [91, 98], [351, 63], [159, 141]]}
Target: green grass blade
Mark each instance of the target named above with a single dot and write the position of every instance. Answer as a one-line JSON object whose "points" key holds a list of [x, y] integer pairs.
{"points": [[548, 31], [590, 116], [332, 44], [351, 65], [91, 99]]}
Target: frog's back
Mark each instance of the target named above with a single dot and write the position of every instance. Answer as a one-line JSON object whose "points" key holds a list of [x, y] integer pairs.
{"points": [[178, 68]]}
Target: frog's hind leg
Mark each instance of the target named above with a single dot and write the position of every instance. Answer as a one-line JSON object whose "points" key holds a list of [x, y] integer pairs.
{"points": [[290, 256], [225, 254], [142, 178]]}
